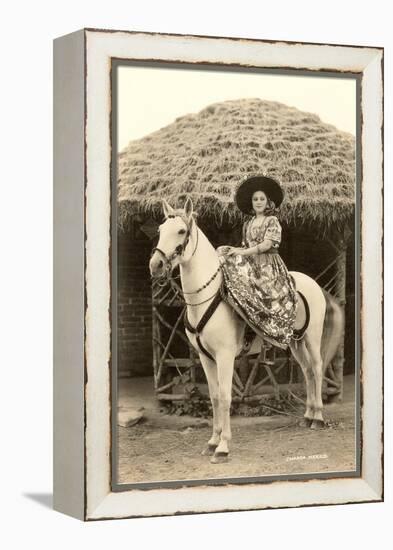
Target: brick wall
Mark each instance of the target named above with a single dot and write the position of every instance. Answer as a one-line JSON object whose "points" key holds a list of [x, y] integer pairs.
{"points": [[134, 304]]}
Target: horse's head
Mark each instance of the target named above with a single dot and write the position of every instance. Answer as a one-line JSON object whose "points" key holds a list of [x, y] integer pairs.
{"points": [[174, 237]]}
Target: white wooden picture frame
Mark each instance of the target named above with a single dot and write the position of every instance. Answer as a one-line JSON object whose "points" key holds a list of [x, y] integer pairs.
{"points": [[82, 256]]}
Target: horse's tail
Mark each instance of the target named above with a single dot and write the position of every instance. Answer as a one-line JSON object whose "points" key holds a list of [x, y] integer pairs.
{"points": [[333, 328]]}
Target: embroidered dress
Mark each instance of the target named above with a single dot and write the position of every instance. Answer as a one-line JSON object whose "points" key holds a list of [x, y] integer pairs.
{"points": [[259, 287]]}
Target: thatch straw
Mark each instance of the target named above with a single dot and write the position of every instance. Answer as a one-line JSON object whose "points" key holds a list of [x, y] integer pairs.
{"points": [[205, 155]]}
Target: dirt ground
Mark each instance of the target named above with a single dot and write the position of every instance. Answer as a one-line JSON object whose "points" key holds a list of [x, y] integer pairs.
{"points": [[163, 448]]}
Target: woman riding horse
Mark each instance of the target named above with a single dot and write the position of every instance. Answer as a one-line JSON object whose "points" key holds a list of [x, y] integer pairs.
{"points": [[217, 332], [257, 281]]}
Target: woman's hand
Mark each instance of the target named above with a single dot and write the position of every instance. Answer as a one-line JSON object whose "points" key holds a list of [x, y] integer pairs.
{"points": [[235, 250]]}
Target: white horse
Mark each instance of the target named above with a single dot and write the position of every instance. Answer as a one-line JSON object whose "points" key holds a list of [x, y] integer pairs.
{"points": [[181, 242]]}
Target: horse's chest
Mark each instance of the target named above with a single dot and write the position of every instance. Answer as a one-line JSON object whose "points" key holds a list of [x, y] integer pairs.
{"points": [[192, 339]]}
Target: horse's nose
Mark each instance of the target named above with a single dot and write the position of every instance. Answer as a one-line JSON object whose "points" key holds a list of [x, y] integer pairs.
{"points": [[156, 266]]}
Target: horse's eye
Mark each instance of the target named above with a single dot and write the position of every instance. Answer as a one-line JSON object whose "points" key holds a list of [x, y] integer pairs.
{"points": [[182, 231]]}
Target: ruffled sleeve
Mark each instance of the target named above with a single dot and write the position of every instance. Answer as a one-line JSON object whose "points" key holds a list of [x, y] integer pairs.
{"points": [[273, 231]]}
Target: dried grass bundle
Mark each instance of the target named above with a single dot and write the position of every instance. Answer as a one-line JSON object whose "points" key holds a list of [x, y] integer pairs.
{"points": [[205, 155]]}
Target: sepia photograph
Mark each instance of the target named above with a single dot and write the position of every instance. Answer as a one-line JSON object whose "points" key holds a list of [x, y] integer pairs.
{"points": [[235, 279], [219, 202]]}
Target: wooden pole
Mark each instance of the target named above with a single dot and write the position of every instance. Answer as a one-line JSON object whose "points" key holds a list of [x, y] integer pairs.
{"points": [[165, 352], [156, 338], [251, 377], [243, 371], [237, 380], [340, 242], [261, 383]]}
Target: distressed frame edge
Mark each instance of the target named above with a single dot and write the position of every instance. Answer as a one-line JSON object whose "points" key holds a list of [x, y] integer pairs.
{"points": [[358, 492], [372, 199], [69, 278], [235, 38], [373, 488]]}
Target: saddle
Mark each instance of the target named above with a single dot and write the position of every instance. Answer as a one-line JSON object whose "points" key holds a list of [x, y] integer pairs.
{"points": [[250, 334], [299, 332]]}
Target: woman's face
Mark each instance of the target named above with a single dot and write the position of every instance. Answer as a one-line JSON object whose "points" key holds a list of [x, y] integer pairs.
{"points": [[259, 202]]}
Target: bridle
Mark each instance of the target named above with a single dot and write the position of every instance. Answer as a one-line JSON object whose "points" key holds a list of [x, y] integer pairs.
{"points": [[214, 300], [179, 250]]}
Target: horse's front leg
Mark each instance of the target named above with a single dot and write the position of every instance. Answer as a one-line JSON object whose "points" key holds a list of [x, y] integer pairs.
{"points": [[210, 370], [225, 366]]}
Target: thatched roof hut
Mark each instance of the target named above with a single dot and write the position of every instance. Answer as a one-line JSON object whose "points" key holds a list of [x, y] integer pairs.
{"points": [[205, 155]]}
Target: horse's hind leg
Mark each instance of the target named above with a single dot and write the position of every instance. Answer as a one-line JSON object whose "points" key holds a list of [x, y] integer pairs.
{"points": [[317, 368], [210, 370], [300, 353]]}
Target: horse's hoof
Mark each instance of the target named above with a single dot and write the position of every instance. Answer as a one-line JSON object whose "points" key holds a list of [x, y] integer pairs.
{"points": [[306, 422], [209, 450], [317, 424], [219, 458]]}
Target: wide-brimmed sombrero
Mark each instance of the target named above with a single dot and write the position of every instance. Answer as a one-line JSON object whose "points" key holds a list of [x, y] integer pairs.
{"points": [[248, 186]]}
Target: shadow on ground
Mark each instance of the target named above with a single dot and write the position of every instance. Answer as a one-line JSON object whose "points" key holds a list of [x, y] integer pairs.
{"points": [[45, 499]]}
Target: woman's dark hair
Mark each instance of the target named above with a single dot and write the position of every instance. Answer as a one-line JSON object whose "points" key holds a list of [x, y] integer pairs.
{"points": [[270, 207]]}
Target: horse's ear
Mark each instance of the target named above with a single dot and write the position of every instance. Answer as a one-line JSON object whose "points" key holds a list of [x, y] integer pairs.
{"points": [[188, 208], [167, 208]]}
